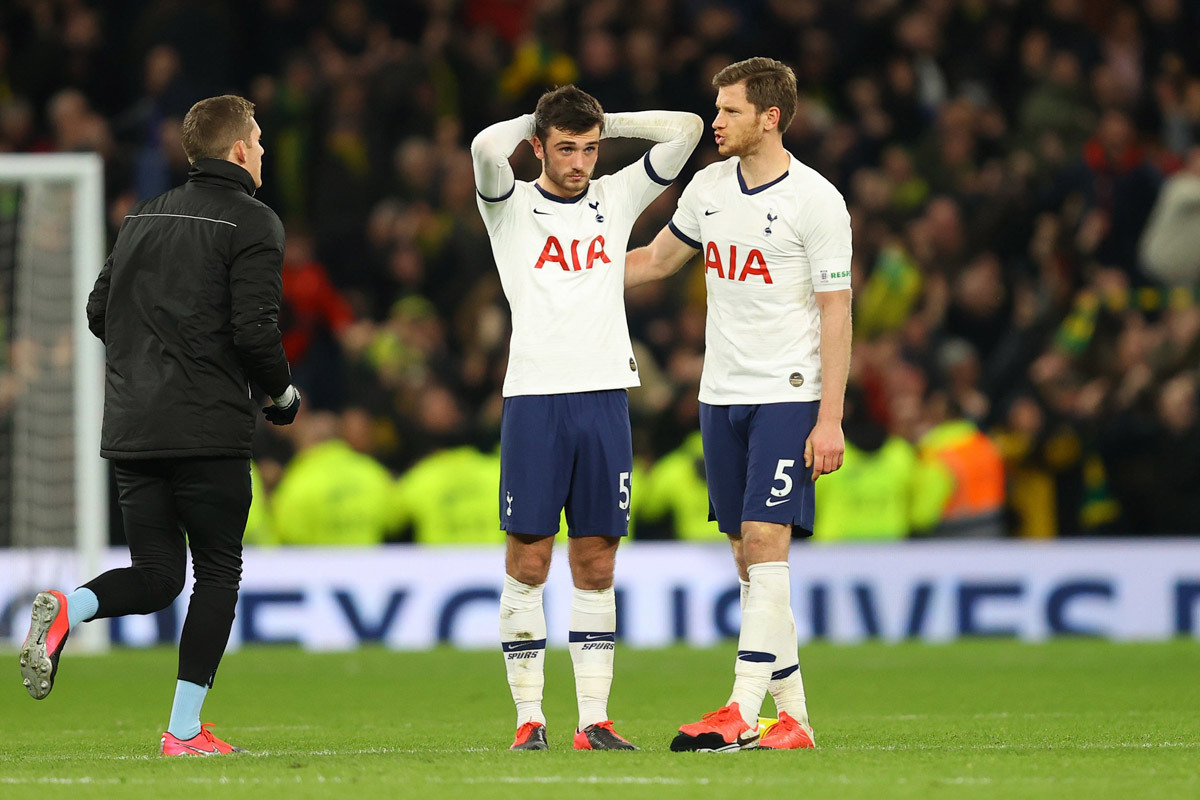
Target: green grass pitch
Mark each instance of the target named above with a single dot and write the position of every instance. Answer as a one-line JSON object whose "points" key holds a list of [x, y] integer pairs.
{"points": [[979, 719]]}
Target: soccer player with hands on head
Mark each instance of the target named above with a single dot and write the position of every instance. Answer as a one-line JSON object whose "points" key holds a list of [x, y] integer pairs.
{"points": [[776, 242], [565, 443]]}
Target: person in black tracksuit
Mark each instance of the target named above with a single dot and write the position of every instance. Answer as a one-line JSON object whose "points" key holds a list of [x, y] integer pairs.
{"points": [[187, 306]]}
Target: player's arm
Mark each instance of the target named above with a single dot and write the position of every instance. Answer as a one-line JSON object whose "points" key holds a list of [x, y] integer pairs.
{"points": [[827, 238], [97, 302], [662, 257], [676, 134], [826, 444], [490, 151], [256, 293]]}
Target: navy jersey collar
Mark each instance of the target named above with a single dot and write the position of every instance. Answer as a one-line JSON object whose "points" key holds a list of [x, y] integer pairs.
{"points": [[757, 189], [566, 200]]}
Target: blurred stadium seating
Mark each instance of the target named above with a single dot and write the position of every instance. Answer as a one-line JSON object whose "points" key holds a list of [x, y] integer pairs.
{"points": [[1022, 175]]}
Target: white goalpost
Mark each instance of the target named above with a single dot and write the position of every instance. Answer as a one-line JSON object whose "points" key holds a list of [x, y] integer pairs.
{"points": [[53, 483]]}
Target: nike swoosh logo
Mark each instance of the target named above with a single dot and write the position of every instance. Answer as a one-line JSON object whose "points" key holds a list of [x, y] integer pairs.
{"points": [[544, 213], [778, 502], [748, 740], [593, 636], [213, 752], [710, 213]]}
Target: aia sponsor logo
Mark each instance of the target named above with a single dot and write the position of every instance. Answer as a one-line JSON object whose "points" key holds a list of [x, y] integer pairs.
{"points": [[580, 259], [753, 266]]}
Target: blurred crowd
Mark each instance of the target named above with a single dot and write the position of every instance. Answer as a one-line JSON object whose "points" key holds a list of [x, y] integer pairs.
{"points": [[1023, 178]]}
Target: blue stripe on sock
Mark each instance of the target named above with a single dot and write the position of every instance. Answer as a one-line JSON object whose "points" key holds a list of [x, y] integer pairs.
{"points": [[755, 656], [780, 674], [582, 636], [523, 644]]}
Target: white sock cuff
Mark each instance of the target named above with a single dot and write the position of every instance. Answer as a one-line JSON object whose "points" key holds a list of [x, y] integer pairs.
{"points": [[768, 568], [594, 601], [521, 596], [770, 582]]}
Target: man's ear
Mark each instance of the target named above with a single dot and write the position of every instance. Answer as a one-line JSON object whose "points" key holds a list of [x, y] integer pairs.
{"points": [[772, 118], [239, 152], [538, 149]]}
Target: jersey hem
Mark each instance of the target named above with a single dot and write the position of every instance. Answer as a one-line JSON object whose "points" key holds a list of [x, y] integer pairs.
{"points": [[757, 400], [542, 390]]}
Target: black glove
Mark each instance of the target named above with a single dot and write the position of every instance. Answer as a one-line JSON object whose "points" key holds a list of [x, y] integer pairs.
{"points": [[283, 414]]}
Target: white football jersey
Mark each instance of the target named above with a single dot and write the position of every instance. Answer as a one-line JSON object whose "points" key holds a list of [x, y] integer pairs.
{"points": [[766, 250], [562, 266]]}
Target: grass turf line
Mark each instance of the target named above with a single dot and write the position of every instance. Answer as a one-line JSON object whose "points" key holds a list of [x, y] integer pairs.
{"points": [[973, 719]]}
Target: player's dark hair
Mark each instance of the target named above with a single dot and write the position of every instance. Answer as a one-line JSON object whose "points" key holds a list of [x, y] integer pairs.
{"points": [[768, 83], [215, 124], [569, 109]]}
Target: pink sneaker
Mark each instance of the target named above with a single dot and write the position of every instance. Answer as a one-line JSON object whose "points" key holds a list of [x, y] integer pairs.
{"points": [[48, 632], [202, 744], [787, 734], [720, 731]]}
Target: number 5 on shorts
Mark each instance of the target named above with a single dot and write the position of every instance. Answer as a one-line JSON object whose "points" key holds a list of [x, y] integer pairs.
{"points": [[623, 488], [780, 475]]}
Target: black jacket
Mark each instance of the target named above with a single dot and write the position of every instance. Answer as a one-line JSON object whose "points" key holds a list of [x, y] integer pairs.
{"points": [[187, 306]]}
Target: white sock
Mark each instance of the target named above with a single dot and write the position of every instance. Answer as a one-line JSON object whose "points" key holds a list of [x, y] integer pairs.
{"points": [[787, 686], [593, 645], [523, 640], [787, 690], [764, 623]]}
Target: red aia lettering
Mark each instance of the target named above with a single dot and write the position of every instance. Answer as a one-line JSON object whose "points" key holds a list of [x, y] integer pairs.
{"points": [[755, 264], [553, 252]]}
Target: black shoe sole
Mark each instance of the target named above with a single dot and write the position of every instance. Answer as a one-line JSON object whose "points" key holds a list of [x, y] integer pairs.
{"points": [[704, 743]]}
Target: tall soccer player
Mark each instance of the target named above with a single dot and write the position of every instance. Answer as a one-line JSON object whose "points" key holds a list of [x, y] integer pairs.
{"points": [[776, 242], [559, 244]]}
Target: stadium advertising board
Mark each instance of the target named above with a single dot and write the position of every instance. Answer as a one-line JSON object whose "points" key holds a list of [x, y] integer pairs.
{"points": [[412, 598]]}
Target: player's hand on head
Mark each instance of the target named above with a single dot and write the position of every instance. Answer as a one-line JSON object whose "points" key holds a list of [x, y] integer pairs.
{"points": [[824, 449], [284, 408]]}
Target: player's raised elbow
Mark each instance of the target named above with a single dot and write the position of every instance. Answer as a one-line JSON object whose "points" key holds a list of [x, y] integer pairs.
{"points": [[693, 128]]}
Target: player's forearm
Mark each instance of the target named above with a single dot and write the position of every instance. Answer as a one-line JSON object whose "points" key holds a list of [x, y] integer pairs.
{"points": [[639, 267], [490, 151], [676, 133], [836, 329]]}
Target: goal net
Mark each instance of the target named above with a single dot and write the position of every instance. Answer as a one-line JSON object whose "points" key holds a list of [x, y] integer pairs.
{"points": [[53, 484]]}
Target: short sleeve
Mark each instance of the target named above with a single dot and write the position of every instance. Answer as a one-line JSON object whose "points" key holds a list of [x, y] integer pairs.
{"points": [[825, 232], [637, 185], [686, 221], [494, 212]]}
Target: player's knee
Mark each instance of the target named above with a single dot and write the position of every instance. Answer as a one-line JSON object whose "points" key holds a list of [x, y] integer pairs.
{"points": [[530, 567], [763, 542], [593, 573], [219, 571], [163, 588]]}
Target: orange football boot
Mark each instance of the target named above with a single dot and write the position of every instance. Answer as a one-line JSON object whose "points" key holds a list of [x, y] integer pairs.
{"points": [[720, 731], [530, 736], [787, 734], [48, 632], [202, 744], [601, 736]]}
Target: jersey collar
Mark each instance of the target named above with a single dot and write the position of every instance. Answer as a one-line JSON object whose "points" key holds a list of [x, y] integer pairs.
{"points": [[757, 189], [566, 200]]}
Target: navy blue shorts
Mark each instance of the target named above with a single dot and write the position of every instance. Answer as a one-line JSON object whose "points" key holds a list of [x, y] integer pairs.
{"points": [[754, 461], [571, 451]]}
